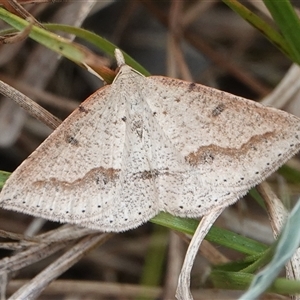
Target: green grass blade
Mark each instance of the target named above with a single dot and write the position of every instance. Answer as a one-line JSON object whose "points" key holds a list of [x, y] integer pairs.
{"points": [[64, 47], [101, 43], [287, 244], [290, 174], [3, 177], [288, 22], [44, 37], [240, 281], [268, 31], [216, 235], [154, 261]]}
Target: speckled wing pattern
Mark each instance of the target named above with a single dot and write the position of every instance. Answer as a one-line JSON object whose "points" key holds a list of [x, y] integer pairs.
{"points": [[148, 144]]}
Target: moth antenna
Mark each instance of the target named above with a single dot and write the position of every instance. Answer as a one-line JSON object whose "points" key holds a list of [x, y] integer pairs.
{"points": [[119, 57]]}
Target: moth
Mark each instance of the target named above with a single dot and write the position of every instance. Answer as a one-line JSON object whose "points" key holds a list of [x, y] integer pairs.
{"points": [[143, 145]]}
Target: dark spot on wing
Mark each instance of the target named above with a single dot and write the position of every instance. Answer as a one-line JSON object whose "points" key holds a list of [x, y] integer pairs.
{"points": [[82, 109], [147, 174], [206, 157], [124, 119], [218, 110], [191, 86], [72, 140], [104, 176]]}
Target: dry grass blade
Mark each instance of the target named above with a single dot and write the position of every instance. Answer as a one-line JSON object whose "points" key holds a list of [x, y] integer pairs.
{"points": [[43, 97], [29, 256], [29, 106], [175, 259], [17, 37], [14, 7], [130, 291], [277, 215], [277, 212], [286, 93], [183, 291], [32, 289], [44, 245]]}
